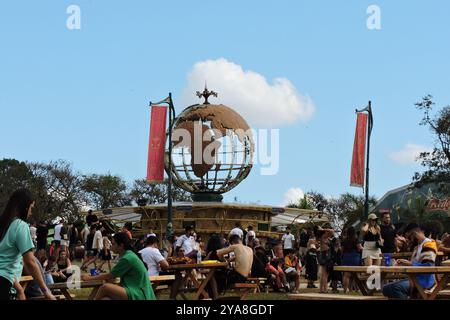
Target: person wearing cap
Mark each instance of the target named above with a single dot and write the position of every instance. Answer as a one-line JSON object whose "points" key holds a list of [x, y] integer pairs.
{"points": [[371, 232]]}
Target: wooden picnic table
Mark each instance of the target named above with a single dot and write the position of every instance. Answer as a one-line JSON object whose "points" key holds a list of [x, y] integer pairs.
{"points": [[410, 271], [199, 285], [24, 280]]}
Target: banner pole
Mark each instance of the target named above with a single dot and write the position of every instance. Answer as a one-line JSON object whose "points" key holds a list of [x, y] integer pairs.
{"points": [[369, 131], [169, 227]]}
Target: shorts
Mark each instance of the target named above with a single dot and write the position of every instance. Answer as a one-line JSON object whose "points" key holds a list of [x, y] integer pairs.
{"points": [[105, 255], [324, 258], [371, 250], [92, 253]]}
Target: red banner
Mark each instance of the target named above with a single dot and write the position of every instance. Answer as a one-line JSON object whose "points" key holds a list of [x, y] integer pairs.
{"points": [[359, 152], [156, 145]]}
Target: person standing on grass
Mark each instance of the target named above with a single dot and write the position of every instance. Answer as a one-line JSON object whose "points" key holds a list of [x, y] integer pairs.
{"points": [[388, 234], [288, 240], [105, 253], [303, 243], [91, 254], [311, 264], [373, 242], [97, 244], [41, 236], [323, 236], [351, 255], [250, 236], [135, 284], [16, 246]]}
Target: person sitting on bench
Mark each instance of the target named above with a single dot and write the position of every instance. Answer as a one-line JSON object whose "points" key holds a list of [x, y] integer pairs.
{"points": [[424, 255], [242, 256]]}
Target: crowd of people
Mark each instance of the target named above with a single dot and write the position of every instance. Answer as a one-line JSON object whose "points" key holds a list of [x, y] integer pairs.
{"points": [[311, 253]]}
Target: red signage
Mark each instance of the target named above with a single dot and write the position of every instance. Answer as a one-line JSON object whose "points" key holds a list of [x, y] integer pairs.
{"points": [[359, 152], [438, 205], [155, 162]]}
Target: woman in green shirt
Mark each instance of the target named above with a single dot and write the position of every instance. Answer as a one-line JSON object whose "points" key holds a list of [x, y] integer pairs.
{"points": [[16, 246], [135, 284]]}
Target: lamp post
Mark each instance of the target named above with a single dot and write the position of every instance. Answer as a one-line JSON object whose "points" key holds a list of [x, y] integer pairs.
{"points": [[169, 102], [367, 109]]}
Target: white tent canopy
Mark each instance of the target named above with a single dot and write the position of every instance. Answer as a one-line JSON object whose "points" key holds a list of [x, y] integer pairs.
{"points": [[298, 216]]}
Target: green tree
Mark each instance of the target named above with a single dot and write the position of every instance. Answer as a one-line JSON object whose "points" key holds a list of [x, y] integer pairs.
{"points": [[436, 162], [62, 193], [154, 193], [106, 191], [14, 174]]}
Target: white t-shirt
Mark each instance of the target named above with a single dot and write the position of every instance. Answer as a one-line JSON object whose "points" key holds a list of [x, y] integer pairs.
{"points": [[98, 240], [187, 243], [33, 232], [288, 239], [57, 235], [249, 234], [237, 231], [85, 233], [152, 257]]}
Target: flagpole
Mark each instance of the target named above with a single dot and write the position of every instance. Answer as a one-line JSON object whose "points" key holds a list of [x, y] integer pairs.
{"points": [[366, 202], [169, 228], [169, 102]]}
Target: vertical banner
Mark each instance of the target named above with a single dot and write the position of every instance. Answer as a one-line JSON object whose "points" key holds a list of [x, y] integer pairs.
{"points": [[359, 152], [156, 145]]}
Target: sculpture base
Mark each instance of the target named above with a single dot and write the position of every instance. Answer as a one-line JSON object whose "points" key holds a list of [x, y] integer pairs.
{"points": [[207, 197]]}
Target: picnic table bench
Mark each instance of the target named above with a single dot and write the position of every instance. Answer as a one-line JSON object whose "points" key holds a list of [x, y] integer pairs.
{"points": [[258, 281], [158, 282], [199, 285], [24, 280], [64, 287], [410, 271], [326, 296]]}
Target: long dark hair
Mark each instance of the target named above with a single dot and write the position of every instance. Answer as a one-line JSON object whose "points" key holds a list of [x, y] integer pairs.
{"points": [[121, 238], [17, 207], [214, 243]]}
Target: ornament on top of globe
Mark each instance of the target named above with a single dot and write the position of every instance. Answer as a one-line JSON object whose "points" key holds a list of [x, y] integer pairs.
{"points": [[212, 149]]}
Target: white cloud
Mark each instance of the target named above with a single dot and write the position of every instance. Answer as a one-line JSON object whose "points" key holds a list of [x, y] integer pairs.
{"points": [[408, 155], [261, 103], [293, 195]]}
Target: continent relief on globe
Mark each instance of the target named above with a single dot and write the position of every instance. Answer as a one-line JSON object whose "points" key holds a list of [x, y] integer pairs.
{"points": [[222, 118]]}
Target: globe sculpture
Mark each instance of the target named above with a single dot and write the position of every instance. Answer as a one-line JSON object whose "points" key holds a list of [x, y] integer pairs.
{"points": [[212, 149]]}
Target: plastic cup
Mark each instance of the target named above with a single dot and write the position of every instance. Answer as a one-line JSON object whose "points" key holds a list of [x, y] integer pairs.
{"points": [[388, 259]]}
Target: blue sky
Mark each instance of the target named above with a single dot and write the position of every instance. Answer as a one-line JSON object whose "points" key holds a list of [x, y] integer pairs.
{"points": [[82, 95]]}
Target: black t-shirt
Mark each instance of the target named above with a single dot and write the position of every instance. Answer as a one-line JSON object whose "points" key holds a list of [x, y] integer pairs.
{"points": [[350, 245], [260, 261], [90, 219], [388, 234], [304, 238], [89, 241], [41, 234], [369, 236]]}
